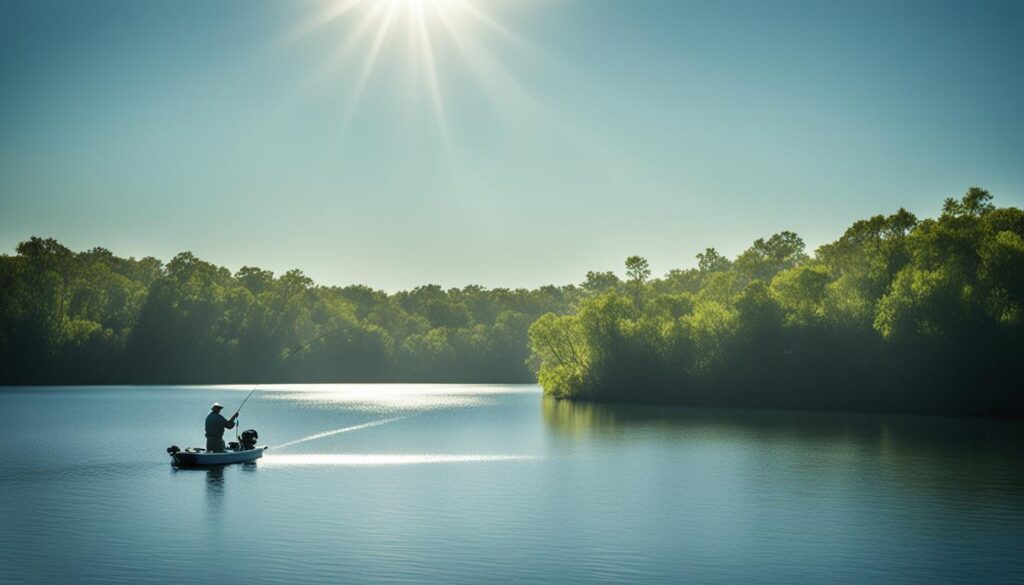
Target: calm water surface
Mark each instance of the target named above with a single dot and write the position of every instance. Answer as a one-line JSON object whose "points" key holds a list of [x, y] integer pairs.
{"points": [[495, 484]]}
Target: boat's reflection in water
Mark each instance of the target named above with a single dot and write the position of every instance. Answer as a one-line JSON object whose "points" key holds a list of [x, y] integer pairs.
{"points": [[215, 479], [371, 459], [214, 488]]}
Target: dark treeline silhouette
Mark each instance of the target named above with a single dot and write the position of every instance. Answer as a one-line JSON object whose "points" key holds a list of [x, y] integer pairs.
{"points": [[897, 315], [92, 317]]}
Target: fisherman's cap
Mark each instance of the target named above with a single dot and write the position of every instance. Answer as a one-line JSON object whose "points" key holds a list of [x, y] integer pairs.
{"points": [[216, 405]]}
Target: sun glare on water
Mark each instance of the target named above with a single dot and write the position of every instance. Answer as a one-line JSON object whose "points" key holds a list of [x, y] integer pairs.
{"points": [[369, 28]]}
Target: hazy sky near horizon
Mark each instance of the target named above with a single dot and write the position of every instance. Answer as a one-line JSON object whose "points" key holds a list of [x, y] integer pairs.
{"points": [[500, 142]]}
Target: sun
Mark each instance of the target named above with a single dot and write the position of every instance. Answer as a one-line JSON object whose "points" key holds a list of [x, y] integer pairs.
{"points": [[421, 26], [414, 3]]}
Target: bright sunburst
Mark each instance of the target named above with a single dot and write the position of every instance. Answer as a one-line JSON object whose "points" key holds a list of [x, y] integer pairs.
{"points": [[420, 26]]}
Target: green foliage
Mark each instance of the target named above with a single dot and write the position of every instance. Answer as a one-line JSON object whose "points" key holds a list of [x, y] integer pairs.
{"points": [[598, 282], [91, 317], [557, 344], [711, 327], [976, 202], [895, 315], [801, 293], [711, 261], [638, 270], [766, 258]]}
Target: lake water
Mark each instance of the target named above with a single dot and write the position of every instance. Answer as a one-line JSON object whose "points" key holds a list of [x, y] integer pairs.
{"points": [[495, 484]]}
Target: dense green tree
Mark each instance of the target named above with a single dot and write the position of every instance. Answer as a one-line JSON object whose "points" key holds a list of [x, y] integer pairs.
{"points": [[598, 282], [91, 316], [766, 258], [896, 315], [711, 261]]}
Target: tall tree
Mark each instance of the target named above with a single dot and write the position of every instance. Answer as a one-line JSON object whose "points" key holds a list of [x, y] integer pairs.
{"points": [[638, 271]]}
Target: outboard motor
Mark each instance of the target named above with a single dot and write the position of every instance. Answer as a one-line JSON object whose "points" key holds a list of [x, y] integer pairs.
{"points": [[173, 449], [249, 439]]}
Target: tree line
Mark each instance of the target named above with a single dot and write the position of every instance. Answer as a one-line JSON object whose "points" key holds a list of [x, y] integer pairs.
{"points": [[93, 317], [897, 315]]}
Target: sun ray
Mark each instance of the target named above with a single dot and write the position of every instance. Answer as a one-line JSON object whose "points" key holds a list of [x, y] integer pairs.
{"points": [[427, 31], [364, 26], [490, 74], [473, 10], [334, 10], [503, 90], [369, 63], [340, 54], [427, 55]]}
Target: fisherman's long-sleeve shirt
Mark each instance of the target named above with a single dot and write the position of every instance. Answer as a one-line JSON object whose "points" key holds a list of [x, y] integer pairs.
{"points": [[215, 425]]}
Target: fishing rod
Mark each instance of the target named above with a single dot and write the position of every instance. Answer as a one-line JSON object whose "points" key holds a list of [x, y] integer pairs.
{"points": [[283, 360]]}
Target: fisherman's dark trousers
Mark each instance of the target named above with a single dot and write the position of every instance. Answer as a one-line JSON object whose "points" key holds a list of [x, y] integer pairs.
{"points": [[215, 444]]}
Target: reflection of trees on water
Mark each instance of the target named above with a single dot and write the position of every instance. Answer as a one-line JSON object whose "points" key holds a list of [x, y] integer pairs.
{"points": [[919, 449]]}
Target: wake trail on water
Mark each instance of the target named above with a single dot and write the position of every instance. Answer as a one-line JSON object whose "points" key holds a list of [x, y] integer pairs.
{"points": [[315, 436], [384, 459]]}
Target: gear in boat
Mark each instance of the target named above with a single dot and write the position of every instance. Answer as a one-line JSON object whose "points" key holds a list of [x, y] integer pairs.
{"points": [[245, 449]]}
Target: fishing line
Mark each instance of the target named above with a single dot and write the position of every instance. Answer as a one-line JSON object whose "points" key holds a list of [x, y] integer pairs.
{"points": [[337, 431], [283, 360]]}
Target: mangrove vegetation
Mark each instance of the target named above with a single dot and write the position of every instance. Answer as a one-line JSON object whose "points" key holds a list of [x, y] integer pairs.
{"points": [[898, 315]]}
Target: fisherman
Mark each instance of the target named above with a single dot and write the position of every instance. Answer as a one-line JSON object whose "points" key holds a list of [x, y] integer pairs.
{"points": [[215, 425]]}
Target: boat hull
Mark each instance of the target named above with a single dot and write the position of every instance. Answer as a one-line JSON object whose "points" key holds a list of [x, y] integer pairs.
{"points": [[203, 459]]}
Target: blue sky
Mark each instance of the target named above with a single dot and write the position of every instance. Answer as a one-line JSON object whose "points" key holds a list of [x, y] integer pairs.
{"points": [[524, 143]]}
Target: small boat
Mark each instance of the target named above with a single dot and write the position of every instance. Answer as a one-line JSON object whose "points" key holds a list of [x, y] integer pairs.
{"points": [[245, 450]]}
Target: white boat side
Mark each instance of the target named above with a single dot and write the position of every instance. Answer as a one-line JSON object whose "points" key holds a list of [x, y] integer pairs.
{"points": [[193, 458]]}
